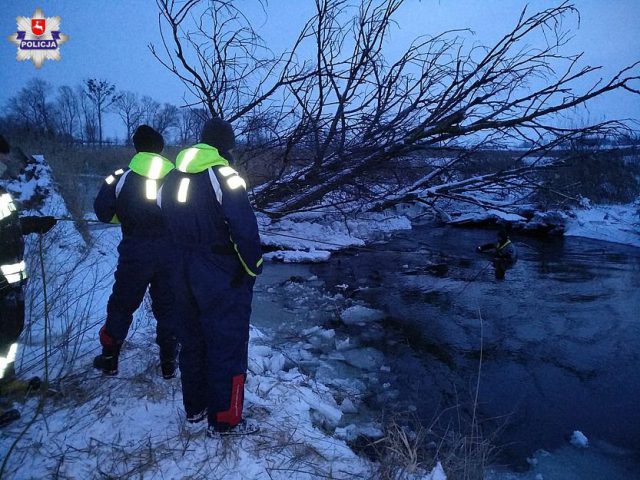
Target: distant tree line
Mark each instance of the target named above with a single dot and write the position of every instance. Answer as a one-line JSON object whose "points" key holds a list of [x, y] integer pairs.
{"points": [[75, 114]]}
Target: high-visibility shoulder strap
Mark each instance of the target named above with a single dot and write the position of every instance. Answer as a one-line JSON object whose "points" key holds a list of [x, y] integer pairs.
{"points": [[500, 247], [215, 184], [120, 183], [159, 197]]}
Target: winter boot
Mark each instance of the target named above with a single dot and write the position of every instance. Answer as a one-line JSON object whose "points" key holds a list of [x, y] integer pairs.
{"points": [[197, 417], [107, 361], [245, 427], [168, 368]]}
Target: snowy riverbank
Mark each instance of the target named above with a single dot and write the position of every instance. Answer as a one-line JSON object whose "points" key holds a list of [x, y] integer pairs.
{"points": [[311, 238], [133, 424], [610, 223]]}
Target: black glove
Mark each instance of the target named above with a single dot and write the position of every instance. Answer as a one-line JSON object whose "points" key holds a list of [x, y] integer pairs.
{"points": [[8, 416], [37, 224]]}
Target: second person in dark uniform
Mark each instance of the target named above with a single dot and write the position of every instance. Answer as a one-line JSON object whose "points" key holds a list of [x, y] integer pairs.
{"points": [[128, 197], [216, 242]]}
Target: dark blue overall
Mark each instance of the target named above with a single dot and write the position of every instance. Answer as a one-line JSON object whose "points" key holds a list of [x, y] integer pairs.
{"points": [[215, 234], [129, 197]]}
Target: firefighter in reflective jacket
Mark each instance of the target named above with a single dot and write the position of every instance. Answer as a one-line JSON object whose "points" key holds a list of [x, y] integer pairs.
{"points": [[215, 234], [12, 277], [128, 197], [505, 254]]}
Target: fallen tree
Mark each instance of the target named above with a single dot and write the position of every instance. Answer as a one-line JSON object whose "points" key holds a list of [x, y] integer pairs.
{"points": [[346, 122]]}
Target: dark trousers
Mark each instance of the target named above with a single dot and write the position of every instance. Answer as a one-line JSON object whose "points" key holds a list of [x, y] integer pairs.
{"points": [[501, 265], [213, 333], [142, 264], [11, 323]]}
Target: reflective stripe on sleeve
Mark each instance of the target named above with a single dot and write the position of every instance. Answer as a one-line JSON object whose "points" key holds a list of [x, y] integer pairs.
{"points": [[236, 182], [226, 171], [7, 207], [14, 272], [10, 358]]}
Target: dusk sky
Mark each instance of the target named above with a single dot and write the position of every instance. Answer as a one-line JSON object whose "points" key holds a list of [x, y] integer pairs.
{"points": [[108, 40]]}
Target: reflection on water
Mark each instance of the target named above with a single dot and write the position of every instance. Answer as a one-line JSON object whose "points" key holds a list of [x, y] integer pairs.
{"points": [[559, 339]]}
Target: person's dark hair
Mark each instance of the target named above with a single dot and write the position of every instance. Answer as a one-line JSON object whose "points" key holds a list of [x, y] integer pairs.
{"points": [[4, 145], [219, 133], [146, 139], [503, 235]]}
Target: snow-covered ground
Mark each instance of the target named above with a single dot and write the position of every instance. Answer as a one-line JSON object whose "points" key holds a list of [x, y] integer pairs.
{"points": [[133, 425], [611, 223], [311, 237]]}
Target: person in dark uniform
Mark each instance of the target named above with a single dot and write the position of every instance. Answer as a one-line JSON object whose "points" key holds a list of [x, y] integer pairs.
{"points": [[128, 197], [13, 274], [217, 245], [505, 254]]}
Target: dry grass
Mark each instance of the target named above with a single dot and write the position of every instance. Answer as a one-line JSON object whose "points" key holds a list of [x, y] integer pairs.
{"points": [[402, 451], [409, 448]]}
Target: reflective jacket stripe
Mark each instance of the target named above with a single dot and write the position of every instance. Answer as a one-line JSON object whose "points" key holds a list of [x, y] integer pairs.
{"points": [[7, 207], [120, 183], [9, 359], [14, 272]]}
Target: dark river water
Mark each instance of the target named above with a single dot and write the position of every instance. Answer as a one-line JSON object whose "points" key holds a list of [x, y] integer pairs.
{"points": [[557, 343]]}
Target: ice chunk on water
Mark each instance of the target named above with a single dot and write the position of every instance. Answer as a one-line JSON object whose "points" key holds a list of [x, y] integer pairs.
{"points": [[348, 433], [359, 314], [298, 256], [323, 413], [370, 430], [343, 344], [579, 440], [364, 358], [437, 473], [348, 406], [263, 359], [319, 332]]}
